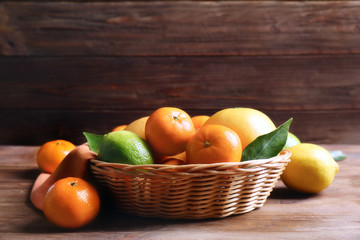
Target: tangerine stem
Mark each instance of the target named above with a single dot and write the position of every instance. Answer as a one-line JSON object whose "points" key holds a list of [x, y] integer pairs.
{"points": [[207, 144], [73, 184]]}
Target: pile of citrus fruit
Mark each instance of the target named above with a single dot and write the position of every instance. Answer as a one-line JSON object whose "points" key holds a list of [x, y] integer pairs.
{"points": [[169, 136], [62, 190]]}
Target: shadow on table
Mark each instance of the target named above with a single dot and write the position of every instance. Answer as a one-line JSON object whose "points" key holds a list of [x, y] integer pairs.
{"points": [[109, 219], [284, 193]]}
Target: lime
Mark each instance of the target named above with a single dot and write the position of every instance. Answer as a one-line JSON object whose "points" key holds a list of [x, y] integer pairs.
{"points": [[292, 140], [125, 147], [311, 169]]}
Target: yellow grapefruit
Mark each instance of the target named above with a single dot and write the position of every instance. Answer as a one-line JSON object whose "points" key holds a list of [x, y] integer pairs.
{"points": [[248, 123]]}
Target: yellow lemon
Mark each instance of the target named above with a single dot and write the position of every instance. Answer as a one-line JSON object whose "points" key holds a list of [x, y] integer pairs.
{"points": [[311, 170], [138, 126], [248, 123]]}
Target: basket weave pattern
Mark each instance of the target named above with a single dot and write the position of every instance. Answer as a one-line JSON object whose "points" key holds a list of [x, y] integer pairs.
{"points": [[194, 191]]}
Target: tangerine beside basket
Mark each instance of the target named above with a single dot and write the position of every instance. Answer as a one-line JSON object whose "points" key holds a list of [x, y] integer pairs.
{"points": [[194, 191]]}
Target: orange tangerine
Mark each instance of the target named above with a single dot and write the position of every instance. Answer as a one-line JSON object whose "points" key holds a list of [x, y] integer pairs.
{"points": [[71, 203], [213, 144], [51, 154], [119, 128], [199, 121], [168, 130]]}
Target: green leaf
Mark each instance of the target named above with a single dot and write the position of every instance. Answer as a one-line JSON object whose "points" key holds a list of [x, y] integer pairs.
{"points": [[267, 145], [93, 141], [338, 155]]}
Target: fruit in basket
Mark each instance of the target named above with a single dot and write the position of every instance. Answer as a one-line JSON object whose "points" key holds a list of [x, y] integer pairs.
{"points": [[168, 130], [52, 153], [75, 164], [174, 161], [138, 127], [71, 203], [292, 140], [125, 147], [248, 123], [119, 128], [311, 170], [162, 159], [213, 144], [199, 121]]}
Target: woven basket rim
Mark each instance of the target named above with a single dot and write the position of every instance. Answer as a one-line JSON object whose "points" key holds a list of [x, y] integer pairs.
{"points": [[191, 191], [283, 155]]}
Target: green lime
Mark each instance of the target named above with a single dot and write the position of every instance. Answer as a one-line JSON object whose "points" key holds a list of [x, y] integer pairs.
{"points": [[125, 147], [292, 140]]}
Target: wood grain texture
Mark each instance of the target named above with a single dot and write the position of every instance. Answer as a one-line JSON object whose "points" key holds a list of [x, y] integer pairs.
{"points": [[44, 98], [332, 214], [126, 83], [71, 66], [37, 127], [181, 28]]}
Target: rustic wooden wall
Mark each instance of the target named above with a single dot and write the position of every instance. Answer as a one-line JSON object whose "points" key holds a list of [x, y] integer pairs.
{"points": [[69, 67]]}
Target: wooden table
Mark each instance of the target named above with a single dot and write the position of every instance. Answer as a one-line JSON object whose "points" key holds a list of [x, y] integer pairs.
{"points": [[332, 214], [73, 66]]}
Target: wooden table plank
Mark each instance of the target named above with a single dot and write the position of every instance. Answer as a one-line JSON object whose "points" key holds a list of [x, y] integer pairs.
{"points": [[332, 214]]}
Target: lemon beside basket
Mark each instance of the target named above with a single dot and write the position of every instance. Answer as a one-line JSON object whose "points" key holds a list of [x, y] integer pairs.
{"points": [[194, 191]]}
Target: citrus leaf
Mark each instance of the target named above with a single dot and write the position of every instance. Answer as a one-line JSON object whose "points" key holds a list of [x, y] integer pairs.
{"points": [[267, 145], [93, 141], [338, 155]]}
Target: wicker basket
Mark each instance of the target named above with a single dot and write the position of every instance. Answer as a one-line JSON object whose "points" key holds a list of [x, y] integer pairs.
{"points": [[194, 191]]}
